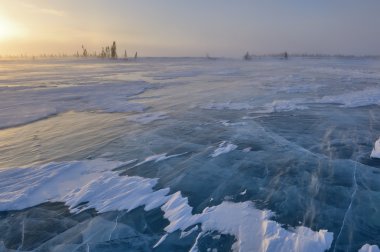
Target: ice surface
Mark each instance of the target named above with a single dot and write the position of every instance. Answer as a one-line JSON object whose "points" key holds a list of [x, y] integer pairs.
{"points": [[71, 182], [228, 123], [93, 183], [195, 139], [29, 105], [283, 106], [228, 105], [158, 158], [370, 96], [45, 88], [145, 118]]}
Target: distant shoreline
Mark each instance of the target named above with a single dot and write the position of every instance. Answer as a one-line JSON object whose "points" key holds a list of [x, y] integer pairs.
{"points": [[254, 57]]}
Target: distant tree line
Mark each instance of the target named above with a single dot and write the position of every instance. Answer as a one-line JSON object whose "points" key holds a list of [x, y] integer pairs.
{"points": [[106, 52], [249, 56], [109, 52]]}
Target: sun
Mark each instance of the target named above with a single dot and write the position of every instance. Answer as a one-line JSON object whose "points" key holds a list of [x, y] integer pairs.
{"points": [[8, 29]]}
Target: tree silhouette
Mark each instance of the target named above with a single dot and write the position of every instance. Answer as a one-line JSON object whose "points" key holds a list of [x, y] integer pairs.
{"points": [[103, 53], [85, 54], [113, 50], [247, 56]]}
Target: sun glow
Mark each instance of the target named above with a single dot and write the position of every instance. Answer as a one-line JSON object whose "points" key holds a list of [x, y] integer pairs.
{"points": [[8, 29]]}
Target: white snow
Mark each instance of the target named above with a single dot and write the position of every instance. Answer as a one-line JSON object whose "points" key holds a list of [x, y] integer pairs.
{"points": [[159, 157], [250, 226], [47, 88], [24, 106], [224, 147], [146, 118], [271, 107], [167, 75], [228, 123], [248, 149], [369, 248], [370, 96], [94, 182], [186, 233], [283, 106], [228, 105], [91, 181], [161, 240], [255, 232], [376, 150], [243, 192]]}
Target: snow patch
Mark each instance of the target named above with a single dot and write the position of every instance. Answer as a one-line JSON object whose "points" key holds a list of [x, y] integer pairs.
{"points": [[283, 106], [25, 106], [248, 149], [161, 240], [186, 233], [354, 99], [224, 147], [376, 150], [146, 118], [228, 123], [158, 158], [75, 182], [255, 232], [228, 105], [369, 248], [244, 192]]}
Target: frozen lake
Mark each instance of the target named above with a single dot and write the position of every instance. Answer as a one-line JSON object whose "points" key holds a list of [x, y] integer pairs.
{"points": [[189, 154]]}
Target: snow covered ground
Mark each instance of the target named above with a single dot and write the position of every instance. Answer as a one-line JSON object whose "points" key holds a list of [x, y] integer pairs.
{"points": [[187, 154]]}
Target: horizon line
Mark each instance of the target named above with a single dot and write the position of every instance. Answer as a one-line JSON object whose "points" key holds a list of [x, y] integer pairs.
{"points": [[206, 56]]}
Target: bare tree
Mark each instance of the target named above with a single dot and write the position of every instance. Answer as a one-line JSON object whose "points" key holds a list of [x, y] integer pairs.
{"points": [[103, 53], [85, 54], [247, 56], [113, 50]]}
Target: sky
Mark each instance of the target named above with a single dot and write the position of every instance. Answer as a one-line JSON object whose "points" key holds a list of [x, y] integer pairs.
{"points": [[226, 28]]}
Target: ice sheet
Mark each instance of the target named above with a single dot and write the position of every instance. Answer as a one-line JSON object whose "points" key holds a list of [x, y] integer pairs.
{"points": [[305, 156], [29, 105], [94, 182], [370, 96], [145, 118]]}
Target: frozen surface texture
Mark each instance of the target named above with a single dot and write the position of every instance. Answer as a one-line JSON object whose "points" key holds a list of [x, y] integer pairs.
{"points": [[82, 185], [188, 154]]}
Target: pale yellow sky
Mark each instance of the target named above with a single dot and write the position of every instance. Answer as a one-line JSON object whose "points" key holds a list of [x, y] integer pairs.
{"points": [[35, 27], [190, 28]]}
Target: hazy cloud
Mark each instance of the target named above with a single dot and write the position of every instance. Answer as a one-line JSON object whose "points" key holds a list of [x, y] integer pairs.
{"points": [[48, 11]]}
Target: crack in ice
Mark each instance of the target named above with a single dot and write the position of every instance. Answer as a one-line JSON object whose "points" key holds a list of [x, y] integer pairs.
{"points": [[22, 235], [349, 206], [113, 229]]}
